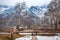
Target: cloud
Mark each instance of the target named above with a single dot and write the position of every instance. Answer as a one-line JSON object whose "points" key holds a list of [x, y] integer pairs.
{"points": [[28, 2], [8, 2], [37, 2]]}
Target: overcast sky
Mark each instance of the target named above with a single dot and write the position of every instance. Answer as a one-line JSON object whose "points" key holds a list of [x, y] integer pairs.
{"points": [[28, 2]]}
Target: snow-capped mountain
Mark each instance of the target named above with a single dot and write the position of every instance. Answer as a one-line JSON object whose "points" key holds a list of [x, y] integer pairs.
{"points": [[38, 10], [34, 10], [2, 8], [6, 11], [20, 15]]}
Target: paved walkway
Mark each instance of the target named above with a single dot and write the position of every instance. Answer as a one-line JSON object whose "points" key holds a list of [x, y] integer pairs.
{"points": [[34, 38]]}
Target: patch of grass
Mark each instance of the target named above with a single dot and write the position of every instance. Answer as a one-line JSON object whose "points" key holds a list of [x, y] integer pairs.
{"points": [[9, 36]]}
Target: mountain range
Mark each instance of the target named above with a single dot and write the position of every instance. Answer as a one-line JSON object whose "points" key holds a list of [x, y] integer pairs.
{"points": [[34, 10], [17, 15]]}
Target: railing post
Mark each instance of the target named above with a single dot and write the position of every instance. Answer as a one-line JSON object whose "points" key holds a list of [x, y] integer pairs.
{"points": [[12, 36]]}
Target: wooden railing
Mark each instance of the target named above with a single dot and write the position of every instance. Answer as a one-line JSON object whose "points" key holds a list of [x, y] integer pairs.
{"points": [[41, 31]]}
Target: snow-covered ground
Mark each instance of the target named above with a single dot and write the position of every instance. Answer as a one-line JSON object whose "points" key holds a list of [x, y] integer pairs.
{"points": [[40, 38]]}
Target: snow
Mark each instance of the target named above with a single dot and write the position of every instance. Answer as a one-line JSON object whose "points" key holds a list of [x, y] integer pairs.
{"points": [[40, 38], [25, 38]]}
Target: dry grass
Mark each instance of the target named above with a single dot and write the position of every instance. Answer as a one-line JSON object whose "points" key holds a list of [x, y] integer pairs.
{"points": [[9, 37]]}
